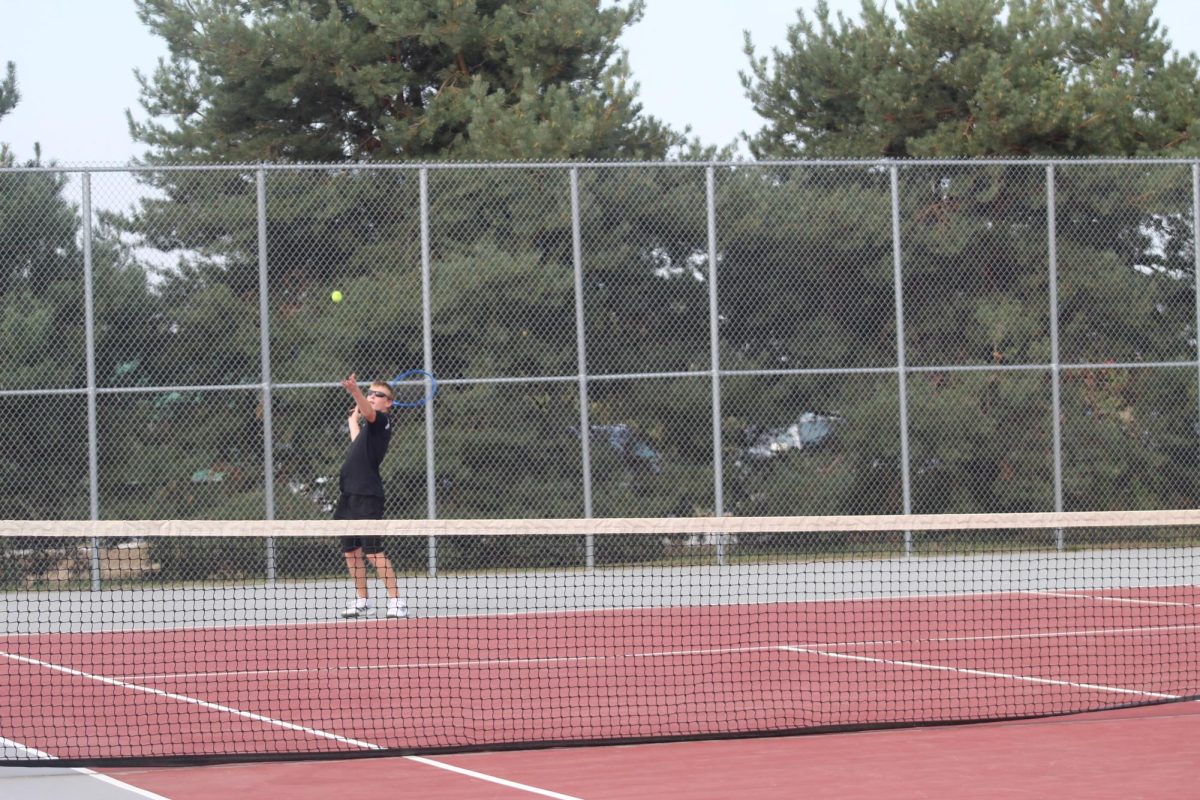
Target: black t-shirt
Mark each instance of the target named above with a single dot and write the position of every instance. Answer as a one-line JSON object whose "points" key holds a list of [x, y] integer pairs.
{"points": [[360, 473]]}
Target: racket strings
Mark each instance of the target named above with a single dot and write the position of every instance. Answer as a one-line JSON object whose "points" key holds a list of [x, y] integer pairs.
{"points": [[413, 389]]}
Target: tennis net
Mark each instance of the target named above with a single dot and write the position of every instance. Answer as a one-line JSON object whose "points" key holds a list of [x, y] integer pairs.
{"points": [[182, 641]]}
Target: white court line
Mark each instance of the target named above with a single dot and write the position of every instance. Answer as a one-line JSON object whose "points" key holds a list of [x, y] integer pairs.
{"points": [[1068, 634], [984, 673], [191, 700], [502, 662], [149, 795], [482, 662], [216, 626], [547, 612], [7, 744], [491, 778], [1002, 637], [272, 721], [1108, 599]]}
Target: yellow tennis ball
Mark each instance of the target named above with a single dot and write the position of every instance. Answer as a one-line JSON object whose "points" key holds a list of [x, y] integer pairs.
{"points": [[336, 296]]}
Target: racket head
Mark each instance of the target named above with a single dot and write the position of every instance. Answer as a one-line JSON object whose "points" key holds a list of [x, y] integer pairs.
{"points": [[413, 388]]}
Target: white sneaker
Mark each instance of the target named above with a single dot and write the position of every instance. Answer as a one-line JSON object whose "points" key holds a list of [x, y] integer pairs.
{"points": [[397, 608], [359, 608]]}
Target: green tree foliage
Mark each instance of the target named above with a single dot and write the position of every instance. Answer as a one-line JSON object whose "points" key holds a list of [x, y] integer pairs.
{"points": [[969, 78], [44, 457], [8, 90], [319, 80], [976, 77], [356, 82], [42, 470], [40, 288], [805, 281]]}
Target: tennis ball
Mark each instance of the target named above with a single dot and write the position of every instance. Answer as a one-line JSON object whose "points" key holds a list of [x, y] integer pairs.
{"points": [[336, 296]]}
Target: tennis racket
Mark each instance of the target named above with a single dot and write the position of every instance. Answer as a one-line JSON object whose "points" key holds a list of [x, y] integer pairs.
{"points": [[413, 389]]}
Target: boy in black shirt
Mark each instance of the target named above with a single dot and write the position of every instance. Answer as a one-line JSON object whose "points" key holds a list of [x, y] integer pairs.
{"points": [[362, 494]]}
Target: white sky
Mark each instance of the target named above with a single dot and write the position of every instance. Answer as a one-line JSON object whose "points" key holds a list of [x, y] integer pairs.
{"points": [[75, 62]]}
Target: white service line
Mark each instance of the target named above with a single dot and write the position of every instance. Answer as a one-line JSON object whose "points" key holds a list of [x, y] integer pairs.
{"points": [[1107, 599], [1069, 634], [551, 612], [191, 700], [149, 795], [712, 651], [491, 778], [7, 744], [984, 673], [479, 662], [257, 718], [1005, 637]]}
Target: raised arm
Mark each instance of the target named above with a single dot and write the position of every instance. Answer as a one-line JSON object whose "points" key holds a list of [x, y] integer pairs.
{"points": [[361, 406]]}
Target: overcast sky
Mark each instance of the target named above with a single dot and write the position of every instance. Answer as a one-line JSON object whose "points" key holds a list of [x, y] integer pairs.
{"points": [[75, 62]]}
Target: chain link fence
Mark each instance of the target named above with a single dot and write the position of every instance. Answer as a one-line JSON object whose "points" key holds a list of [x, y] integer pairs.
{"points": [[611, 340]]}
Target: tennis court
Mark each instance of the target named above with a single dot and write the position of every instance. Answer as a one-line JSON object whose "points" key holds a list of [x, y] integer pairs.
{"points": [[600, 538], [1113, 755], [632, 655]]}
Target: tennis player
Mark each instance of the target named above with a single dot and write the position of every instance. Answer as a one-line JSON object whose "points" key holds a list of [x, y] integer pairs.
{"points": [[362, 495]]}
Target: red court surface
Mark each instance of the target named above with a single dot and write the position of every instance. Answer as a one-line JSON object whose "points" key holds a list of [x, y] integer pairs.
{"points": [[1118, 755], [595, 675], [450, 681]]}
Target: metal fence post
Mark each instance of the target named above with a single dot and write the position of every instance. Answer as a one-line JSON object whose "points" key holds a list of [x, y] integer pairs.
{"points": [[427, 345], [264, 332], [1055, 372], [89, 327], [1196, 253], [585, 425], [714, 344], [95, 265], [901, 357]]}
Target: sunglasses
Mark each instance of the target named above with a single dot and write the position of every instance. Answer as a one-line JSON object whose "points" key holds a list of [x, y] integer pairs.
{"points": [[379, 394]]}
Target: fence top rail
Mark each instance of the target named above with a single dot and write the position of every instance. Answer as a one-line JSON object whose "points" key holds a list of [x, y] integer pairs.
{"points": [[603, 525], [373, 166], [621, 376]]}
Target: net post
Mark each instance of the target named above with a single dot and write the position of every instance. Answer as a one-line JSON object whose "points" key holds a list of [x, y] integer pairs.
{"points": [[585, 425], [89, 315], [427, 347], [1055, 370], [901, 357], [264, 328]]}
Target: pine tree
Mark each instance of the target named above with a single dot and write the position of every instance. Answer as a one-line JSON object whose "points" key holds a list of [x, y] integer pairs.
{"points": [[41, 335], [972, 78], [377, 81], [9, 96], [977, 77], [319, 80]]}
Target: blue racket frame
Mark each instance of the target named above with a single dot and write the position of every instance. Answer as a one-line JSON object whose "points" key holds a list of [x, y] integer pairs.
{"points": [[430, 392]]}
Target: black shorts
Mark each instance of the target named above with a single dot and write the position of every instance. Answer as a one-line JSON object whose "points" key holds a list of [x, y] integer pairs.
{"points": [[360, 506]]}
